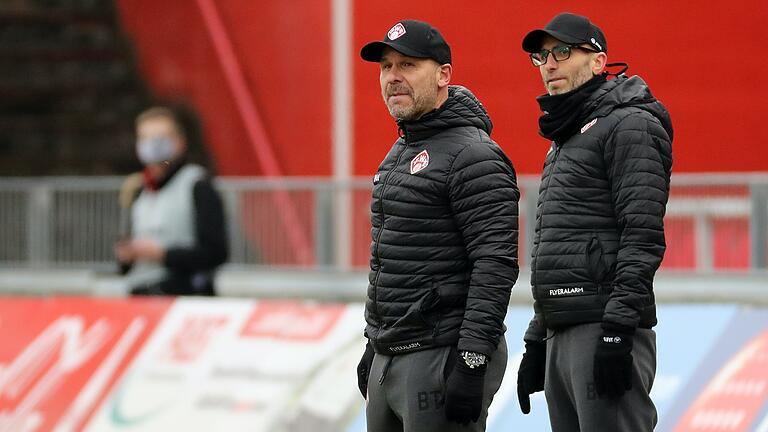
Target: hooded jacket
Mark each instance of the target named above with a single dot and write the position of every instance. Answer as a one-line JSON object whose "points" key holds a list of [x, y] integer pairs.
{"points": [[599, 235], [444, 234]]}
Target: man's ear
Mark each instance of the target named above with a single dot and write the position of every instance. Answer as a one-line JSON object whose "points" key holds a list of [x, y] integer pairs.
{"points": [[444, 75], [599, 61]]}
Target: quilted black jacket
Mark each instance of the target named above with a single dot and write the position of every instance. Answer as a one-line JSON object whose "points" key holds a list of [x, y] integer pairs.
{"points": [[444, 249], [599, 235]]}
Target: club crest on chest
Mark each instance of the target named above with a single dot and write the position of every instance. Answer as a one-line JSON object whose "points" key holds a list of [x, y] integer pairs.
{"points": [[588, 125], [419, 162]]}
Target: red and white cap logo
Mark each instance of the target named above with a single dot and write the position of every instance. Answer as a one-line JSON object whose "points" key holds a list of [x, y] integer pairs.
{"points": [[396, 31], [419, 162]]}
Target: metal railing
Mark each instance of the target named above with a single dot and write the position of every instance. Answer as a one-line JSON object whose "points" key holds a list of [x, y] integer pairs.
{"points": [[714, 222]]}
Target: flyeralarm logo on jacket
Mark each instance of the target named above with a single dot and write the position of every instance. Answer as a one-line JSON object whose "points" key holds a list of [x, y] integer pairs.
{"points": [[419, 162], [407, 347], [566, 291], [396, 31]]}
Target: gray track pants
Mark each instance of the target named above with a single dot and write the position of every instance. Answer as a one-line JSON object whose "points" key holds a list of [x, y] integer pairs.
{"points": [[405, 392], [569, 386]]}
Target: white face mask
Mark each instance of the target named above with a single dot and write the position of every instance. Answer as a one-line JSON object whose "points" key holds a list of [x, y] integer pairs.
{"points": [[155, 149]]}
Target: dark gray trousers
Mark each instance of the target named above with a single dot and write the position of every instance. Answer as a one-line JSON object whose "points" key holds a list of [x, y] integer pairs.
{"points": [[406, 392], [569, 385]]}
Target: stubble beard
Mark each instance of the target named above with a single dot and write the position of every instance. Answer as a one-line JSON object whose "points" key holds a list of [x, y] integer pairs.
{"points": [[422, 103], [579, 78]]}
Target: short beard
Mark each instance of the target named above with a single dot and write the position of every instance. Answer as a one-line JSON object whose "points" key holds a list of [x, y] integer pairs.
{"points": [[423, 103], [581, 77]]}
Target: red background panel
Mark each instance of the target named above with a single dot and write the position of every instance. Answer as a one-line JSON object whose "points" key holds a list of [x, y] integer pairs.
{"points": [[702, 60], [283, 48], [688, 53]]}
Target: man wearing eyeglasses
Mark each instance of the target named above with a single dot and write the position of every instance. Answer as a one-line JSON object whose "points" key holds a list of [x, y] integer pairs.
{"points": [[599, 236]]}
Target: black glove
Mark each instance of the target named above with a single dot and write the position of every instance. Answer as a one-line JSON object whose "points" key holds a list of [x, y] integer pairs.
{"points": [[613, 361], [364, 369], [530, 375], [464, 392]]}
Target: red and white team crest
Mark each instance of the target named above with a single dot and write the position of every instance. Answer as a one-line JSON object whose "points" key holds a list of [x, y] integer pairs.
{"points": [[396, 31], [419, 162], [588, 125]]}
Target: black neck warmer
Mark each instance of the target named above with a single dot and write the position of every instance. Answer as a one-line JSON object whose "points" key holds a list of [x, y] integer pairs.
{"points": [[563, 113]]}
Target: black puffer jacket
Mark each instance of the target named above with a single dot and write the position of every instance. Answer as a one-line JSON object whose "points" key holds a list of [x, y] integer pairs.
{"points": [[599, 225], [444, 250]]}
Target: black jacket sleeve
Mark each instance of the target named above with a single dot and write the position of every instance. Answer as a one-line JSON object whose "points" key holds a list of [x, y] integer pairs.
{"points": [[211, 248], [639, 167], [484, 199]]}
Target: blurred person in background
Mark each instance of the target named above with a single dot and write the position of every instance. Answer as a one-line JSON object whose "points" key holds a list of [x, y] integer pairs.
{"points": [[176, 228], [599, 236], [444, 249]]}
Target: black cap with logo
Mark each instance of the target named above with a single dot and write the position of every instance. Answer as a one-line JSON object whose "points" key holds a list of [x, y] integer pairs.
{"points": [[569, 28], [412, 38]]}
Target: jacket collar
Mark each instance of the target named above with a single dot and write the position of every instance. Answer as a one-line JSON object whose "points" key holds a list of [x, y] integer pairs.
{"points": [[461, 108]]}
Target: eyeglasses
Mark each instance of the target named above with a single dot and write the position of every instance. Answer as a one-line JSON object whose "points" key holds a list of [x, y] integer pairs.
{"points": [[560, 52]]}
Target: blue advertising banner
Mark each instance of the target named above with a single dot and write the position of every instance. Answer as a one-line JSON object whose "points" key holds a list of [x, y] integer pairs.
{"points": [[701, 348]]}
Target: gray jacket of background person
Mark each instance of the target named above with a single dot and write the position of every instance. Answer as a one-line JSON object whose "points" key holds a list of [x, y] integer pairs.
{"points": [[599, 235], [185, 216], [445, 231]]}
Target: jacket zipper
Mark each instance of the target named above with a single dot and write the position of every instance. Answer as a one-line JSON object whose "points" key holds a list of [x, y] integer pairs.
{"points": [[538, 222], [381, 230]]}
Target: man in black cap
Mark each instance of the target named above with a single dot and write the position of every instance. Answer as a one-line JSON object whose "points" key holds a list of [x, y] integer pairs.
{"points": [[444, 249], [599, 236]]}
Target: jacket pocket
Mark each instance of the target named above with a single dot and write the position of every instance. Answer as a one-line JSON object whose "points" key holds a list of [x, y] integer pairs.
{"points": [[420, 314], [596, 266], [428, 306]]}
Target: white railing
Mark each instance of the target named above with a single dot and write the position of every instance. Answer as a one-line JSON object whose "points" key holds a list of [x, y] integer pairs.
{"points": [[714, 222]]}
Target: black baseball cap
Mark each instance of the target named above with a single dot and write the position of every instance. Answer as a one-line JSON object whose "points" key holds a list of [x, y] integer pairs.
{"points": [[412, 38], [569, 28]]}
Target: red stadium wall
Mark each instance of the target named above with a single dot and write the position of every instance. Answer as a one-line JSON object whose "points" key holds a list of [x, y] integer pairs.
{"points": [[701, 60], [284, 52], [687, 53]]}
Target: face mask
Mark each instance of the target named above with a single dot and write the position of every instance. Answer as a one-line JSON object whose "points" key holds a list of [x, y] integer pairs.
{"points": [[155, 150]]}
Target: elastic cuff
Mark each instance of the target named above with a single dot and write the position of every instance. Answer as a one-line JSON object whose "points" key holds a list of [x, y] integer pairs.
{"points": [[535, 344], [476, 346], [535, 338], [618, 328]]}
